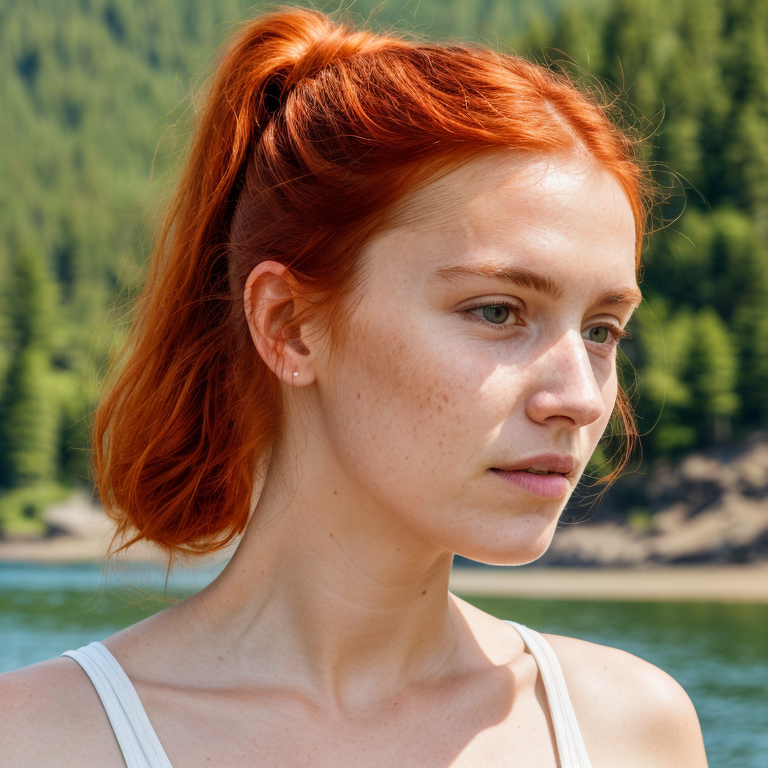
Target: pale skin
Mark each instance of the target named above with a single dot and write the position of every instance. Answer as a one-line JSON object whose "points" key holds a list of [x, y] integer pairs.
{"points": [[331, 639]]}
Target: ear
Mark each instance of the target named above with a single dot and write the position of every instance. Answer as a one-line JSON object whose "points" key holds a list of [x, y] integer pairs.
{"points": [[271, 299]]}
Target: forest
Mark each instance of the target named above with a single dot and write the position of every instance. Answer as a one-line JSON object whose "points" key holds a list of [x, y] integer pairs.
{"points": [[97, 103]]}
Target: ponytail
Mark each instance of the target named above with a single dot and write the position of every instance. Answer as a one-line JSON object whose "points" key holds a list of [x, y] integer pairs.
{"points": [[310, 134], [175, 437]]}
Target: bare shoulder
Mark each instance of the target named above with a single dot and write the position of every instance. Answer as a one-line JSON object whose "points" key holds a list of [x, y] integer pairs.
{"points": [[51, 715], [624, 703]]}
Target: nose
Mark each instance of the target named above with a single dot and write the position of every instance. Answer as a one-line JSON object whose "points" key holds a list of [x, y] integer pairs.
{"points": [[564, 386]]}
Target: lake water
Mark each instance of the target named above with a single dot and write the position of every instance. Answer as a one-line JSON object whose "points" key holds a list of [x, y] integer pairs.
{"points": [[719, 653]]}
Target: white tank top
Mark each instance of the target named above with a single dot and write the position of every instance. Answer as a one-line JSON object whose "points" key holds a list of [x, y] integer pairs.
{"points": [[142, 749]]}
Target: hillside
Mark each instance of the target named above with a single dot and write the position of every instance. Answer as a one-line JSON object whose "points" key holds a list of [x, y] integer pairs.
{"points": [[98, 101]]}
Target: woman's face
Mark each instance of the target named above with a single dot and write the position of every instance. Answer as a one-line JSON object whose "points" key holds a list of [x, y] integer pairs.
{"points": [[477, 371]]}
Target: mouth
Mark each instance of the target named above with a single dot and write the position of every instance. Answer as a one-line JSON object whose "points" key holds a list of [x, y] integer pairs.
{"points": [[542, 464], [546, 475], [546, 485]]}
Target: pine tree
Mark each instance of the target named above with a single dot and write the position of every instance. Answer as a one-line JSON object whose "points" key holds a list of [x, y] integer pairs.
{"points": [[28, 412], [661, 353], [711, 373]]}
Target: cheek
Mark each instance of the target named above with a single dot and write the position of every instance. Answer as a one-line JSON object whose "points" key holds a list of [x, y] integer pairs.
{"points": [[405, 404]]}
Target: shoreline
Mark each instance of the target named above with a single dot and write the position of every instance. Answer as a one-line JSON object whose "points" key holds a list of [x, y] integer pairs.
{"points": [[86, 532], [683, 583]]}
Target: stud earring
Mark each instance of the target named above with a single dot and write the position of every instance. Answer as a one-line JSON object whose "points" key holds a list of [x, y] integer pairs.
{"points": [[295, 373]]}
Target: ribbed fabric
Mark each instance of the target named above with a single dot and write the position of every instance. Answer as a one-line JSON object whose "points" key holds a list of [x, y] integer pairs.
{"points": [[142, 749], [137, 738], [570, 745]]}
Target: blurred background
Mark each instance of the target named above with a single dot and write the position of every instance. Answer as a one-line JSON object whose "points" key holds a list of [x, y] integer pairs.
{"points": [[97, 104]]}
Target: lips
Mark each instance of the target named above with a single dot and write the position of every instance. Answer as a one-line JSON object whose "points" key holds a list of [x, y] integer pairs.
{"points": [[542, 464], [544, 475]]}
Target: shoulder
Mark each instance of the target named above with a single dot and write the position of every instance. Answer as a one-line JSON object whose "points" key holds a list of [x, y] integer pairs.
{"points": [[42, 707], [623, 702]]}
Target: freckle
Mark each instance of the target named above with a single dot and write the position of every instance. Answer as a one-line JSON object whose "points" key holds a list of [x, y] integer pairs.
{"points": [[335, 493], [439, 408], [424, 592], [358, 395], [445, 397], [331, 535]]}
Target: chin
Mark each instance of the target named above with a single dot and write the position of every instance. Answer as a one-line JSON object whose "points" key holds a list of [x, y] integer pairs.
{"points": [[516, 552]]}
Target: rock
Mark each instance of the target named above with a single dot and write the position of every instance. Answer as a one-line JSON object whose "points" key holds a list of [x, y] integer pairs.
{"points": [[708, 507]]}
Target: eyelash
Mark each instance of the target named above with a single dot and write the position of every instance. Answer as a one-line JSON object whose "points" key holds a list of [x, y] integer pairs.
{"points": [[617, 334]]}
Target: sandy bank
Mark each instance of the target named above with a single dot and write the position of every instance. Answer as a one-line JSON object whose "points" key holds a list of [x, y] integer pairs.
{"points": [[716, 583], [83, 534]]}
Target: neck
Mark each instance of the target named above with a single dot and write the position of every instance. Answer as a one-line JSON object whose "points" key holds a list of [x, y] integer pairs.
{"points": [[331, 591]]}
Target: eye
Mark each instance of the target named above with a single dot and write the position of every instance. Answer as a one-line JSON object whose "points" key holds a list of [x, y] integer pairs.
{"points": [[599, 334], [496, 314], [603, 334]]}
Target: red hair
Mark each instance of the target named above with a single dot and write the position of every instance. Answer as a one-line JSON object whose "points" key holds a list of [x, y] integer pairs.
{"points": [[310, 135]]}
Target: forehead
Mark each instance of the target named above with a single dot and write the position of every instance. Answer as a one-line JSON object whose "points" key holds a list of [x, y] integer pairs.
{"points": [[556, 214]]}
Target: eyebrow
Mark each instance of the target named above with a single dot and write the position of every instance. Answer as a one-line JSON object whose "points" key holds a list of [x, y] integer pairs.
{"points": [[527, 278], [631, 296]]}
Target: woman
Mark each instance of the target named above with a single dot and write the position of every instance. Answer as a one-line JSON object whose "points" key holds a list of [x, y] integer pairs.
{"points": [[381, 325]]}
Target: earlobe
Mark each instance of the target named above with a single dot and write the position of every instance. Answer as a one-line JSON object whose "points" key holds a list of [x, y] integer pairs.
{"points": [[270, 299]]}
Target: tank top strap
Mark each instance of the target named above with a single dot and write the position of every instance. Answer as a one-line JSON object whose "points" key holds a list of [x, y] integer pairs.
{"points": [[134, 733], [570, 745], [142, 749]]}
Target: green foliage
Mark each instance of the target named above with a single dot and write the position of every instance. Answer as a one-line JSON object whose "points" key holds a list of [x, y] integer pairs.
{"points": [[698, 71], [662, 349], [712, 368], [640, 520], [28, 419], [30, 301], [21, 510], [27, 411]]}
